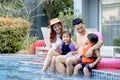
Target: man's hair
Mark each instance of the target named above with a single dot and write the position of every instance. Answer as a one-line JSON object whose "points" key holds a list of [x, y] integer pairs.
{"points": [[92, 37], [77, 21]]}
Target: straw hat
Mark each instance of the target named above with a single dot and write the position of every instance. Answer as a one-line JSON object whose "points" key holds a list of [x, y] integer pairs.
{"points": [[54, 21]]}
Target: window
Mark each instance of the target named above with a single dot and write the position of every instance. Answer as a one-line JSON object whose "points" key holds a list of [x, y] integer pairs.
{"points": [[110, 11]]}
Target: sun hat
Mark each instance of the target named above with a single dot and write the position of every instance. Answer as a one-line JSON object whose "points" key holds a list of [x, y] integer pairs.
{"points": [[54, 21]]}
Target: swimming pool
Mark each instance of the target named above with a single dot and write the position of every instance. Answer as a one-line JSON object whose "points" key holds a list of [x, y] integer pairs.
{"points": [[22, 68]]}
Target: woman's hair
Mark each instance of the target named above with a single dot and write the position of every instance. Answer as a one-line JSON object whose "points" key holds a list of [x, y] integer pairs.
{"points": [[53, 33], [65, 32], [93, 38]]}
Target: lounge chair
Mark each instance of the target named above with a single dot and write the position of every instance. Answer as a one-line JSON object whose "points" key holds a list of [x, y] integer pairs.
{"points": [[45, 32]]}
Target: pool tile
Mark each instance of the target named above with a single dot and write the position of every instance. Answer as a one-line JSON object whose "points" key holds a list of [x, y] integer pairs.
{"points": [[107, 75]]}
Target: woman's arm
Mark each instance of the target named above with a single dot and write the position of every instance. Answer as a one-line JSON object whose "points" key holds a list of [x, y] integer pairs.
{"points": [[58, 48], [49, 43]]}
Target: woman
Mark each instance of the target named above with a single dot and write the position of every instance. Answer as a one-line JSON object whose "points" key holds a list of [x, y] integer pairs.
{"points": [[54, 41]]}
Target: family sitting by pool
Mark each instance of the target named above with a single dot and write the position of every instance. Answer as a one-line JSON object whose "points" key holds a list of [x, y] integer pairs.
{"points": [[68, 57]]}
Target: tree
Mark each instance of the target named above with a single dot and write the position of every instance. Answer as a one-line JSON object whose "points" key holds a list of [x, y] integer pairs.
{"points": [[17, 8], [10, 7], [53, 7]]}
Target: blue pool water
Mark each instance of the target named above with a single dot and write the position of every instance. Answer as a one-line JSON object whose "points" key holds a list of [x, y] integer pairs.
{"points": [[14, 68]]}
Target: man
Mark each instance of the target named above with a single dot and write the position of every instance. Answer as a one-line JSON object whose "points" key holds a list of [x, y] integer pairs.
{"points": [[66, 65]]}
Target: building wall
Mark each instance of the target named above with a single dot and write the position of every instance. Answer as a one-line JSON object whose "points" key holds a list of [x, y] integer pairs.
{"points": [[85, 11], [89, 9], [93, 14], [77, 6]]}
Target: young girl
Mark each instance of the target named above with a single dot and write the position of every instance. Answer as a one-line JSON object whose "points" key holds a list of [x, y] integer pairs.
{"points": [[83, 61], [64, 48]]}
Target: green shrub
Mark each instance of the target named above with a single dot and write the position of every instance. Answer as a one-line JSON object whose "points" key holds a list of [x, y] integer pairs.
{"points": [[12, 34], [28, 41], [116, 42]]}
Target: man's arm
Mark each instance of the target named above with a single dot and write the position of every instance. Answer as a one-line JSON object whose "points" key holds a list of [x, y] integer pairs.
{"points": [[96, 46], [97, 52]]}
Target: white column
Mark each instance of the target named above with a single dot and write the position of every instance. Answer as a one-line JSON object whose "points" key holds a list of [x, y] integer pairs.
{"points": [[100, 16], [77, 7]]}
